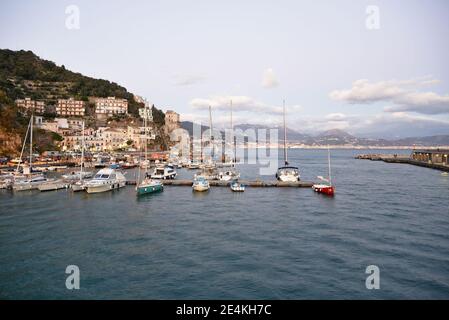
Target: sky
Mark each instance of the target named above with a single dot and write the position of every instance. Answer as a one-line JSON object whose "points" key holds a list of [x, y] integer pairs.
{"points": [[371, 68]]}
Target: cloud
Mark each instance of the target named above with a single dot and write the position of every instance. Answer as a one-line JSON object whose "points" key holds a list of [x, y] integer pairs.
{"points": [[241, 104], [402, 94], [269, 79], [188, 80]]}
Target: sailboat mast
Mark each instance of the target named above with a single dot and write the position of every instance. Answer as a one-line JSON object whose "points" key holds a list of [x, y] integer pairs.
{"points": [[210, 127], [23, 147], [285, 136], [146, 141], [82, 153], [329, 164], [233, 138], [31, 141]]}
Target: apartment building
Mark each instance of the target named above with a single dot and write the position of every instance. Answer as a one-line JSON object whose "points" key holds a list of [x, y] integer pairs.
{"points": [[71, 107]]}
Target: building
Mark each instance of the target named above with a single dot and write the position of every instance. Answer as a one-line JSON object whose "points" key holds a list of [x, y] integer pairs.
{"points": [[172, 121], [146, 113], [437, 156], [111, 106], [31, 105], [71, 107]]}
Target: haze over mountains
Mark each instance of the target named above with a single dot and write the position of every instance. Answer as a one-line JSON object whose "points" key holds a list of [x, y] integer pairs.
{"points": [[337, 137]]}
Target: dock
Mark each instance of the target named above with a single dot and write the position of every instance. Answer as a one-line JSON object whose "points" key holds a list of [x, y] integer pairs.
{"points": [[417, 159], [248, 183]]}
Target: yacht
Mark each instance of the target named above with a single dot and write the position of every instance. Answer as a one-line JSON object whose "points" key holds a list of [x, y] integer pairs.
{"points": [[200, 184], [287, 173], [106, 180], [53, 185], [77, 175], [228, 175], [165, 172]]}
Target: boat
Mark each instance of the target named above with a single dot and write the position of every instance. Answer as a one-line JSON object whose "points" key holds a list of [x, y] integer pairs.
{"points": [[81, 175], [106, 180], [53, 185], [228, 175], [287, 173], [77, 175], [200, 184], [237, 186], [194, 164], [325, 188], [28, 180], [148, 185], [165, 172], [445, 174]]}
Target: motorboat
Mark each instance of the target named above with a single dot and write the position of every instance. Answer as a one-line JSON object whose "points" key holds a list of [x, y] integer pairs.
{"points": [[165, 172], [200, 184], [32, 182], [237, 186], [194, 164], [106, 180]]}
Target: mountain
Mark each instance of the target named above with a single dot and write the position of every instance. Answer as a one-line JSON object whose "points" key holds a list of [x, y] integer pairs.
{"points": [[337, 137]]}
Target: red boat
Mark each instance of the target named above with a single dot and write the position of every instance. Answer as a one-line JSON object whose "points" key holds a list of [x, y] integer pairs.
{"points": [[323, 188], [328, 188]]}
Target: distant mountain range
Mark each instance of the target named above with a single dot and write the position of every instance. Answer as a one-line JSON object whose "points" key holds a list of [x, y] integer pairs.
{"points": [[337, 137]]}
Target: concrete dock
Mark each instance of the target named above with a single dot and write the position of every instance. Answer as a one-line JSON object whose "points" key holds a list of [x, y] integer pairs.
{"points": [[253, 183], [390, 158]]}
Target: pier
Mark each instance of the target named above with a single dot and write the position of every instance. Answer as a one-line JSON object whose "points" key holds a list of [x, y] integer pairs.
{"points": [[248, 183], [433, 159]]}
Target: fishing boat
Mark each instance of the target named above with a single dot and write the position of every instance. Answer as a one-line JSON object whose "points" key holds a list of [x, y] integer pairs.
{"points": [[164, 172], [53, 185], [106, 180], [287, 173], [200, 184], [237, 186], [325, 188], [147, 185]]}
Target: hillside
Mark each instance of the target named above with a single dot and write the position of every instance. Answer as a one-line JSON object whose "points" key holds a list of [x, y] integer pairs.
{"points": [[24, 74]]}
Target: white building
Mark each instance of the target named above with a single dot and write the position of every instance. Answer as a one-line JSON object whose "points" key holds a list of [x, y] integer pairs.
{"points": [[111, 106]]}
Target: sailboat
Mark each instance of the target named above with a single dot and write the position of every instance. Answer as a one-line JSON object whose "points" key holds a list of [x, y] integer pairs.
{"points": [[147, 185], [232, 174], [28, 181], [287, 173], [326, 187], [79, 185]]}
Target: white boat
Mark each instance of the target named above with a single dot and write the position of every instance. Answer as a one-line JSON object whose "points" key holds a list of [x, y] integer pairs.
{"points": [[164, 172], [106, 180], [200, 184], [53, 185], [237, 186], [194, 164], [77, 175], [31, 183], [228, 175], [78, 186], [81, 175], [287, 173]]}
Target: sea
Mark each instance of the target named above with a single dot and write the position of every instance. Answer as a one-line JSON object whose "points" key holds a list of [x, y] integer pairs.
{"points": [[265, 243]]}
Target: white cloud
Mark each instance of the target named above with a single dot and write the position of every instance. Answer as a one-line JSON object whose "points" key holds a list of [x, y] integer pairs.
{"points": [[402, 93], [241, 104], [269, 79]]}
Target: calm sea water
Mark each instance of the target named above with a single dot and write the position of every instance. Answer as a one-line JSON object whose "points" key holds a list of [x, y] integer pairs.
{"points": [[262, 244]]}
